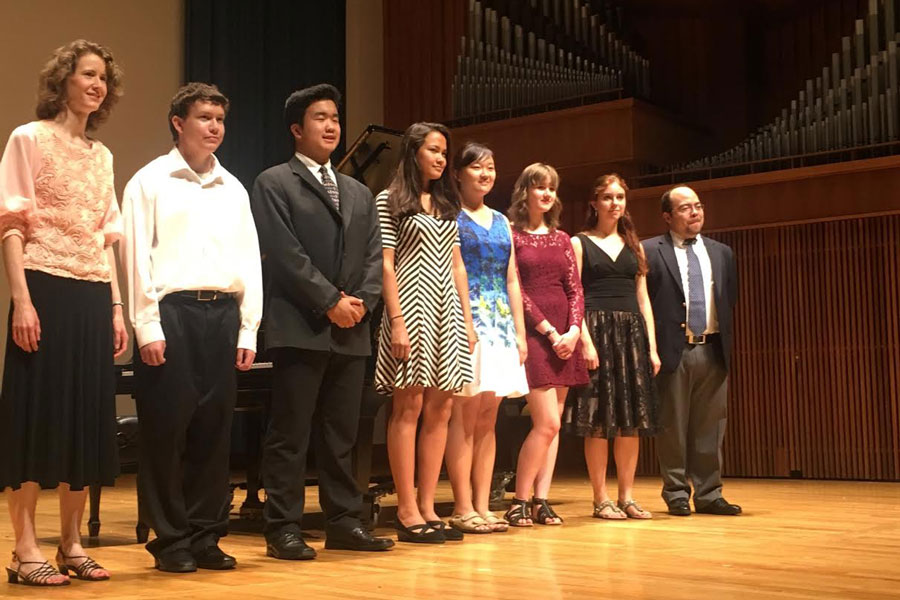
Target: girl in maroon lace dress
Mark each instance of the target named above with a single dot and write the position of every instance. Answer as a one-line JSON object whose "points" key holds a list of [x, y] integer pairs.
{"points": [[554, 308]]}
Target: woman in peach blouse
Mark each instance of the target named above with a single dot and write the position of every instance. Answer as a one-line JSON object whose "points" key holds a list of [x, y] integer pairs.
{"points": [[58, 220]]}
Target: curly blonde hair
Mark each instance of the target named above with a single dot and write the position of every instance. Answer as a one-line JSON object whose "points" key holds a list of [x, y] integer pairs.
{"points": [[534, 174], [51, 97]]}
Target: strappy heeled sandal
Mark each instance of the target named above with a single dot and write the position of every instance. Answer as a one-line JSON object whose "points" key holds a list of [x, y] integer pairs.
{"points": [[517, 515], [38, 577], [614, 514], [83, 570], [639, 513], [545, 512]]}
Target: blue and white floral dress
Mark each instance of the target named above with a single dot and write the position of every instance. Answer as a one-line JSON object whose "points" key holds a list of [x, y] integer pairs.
{"points": [[486, 254]]}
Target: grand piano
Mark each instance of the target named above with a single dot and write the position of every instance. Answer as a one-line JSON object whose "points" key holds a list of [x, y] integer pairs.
{"points": [[372, 160]]}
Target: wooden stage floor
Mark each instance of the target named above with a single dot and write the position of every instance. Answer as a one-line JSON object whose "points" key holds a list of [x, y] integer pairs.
{"points": [[796, 539]]}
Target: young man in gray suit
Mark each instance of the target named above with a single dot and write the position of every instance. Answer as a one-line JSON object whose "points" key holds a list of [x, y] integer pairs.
{"points": [[321, 250], [693, 287]]}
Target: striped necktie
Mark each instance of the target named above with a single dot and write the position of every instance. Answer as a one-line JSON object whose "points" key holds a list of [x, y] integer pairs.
{"points": [[330, 187], [696, 291]]}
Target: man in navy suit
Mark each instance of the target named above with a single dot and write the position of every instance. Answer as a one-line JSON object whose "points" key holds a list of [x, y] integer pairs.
{"points": [[693, 287]]}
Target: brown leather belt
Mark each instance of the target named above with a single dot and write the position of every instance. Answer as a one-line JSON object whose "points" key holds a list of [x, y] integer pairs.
{"points": [[697, 340]]}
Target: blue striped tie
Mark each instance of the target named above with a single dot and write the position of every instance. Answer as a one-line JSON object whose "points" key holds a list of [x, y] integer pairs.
{"points": [[330, 187], [696, 291]]}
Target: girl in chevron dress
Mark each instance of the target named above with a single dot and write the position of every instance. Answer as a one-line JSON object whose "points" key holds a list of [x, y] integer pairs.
{"points": [[427, 336]]}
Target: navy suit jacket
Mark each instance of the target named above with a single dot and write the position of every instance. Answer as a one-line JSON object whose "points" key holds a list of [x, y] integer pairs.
{"points": [[311, 252], [667, 297]]}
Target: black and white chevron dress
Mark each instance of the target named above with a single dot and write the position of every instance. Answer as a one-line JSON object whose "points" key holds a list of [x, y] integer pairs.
{"points": [[423, 260]]}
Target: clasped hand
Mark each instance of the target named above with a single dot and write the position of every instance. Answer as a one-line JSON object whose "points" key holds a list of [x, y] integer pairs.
{"points": [[565, 345], [348, 311]]}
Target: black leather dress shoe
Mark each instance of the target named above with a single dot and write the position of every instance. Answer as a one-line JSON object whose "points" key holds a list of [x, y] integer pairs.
{"points": [[679, 507], [288, 545], [213, 558], [357, 539], [176, 561], [719, 506]]}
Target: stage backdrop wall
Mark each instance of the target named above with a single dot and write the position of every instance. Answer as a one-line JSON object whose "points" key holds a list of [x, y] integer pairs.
{"points": [[258, 53], [146, 39]]}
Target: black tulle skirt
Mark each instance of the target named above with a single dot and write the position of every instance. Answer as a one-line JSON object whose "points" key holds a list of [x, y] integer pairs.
{"points": [[57, 405], [621, 398]]}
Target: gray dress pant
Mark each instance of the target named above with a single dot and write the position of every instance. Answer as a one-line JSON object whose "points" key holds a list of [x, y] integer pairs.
{"points": [[693, 409]]}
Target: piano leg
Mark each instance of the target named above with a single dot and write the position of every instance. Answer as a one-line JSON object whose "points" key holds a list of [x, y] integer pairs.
{"points": [[362, 468], [94, 518]]}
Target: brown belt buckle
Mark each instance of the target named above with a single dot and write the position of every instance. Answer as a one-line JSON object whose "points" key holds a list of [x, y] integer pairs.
{"points": [[206, 295], [696, 340]]}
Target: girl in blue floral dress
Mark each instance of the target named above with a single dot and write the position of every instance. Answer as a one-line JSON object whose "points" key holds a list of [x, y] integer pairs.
{"points": [[486, 245]]}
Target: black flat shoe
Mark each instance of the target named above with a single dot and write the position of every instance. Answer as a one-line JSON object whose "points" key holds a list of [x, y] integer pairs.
{"points": [[176, 561], [679, 507], [719, 506], [214, 559], [450, 534], [288, 545], [357, 539], [422, 533]]}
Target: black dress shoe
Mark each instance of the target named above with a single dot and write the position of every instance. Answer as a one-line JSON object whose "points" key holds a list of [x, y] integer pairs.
{"points": [[719, 506], [288, 545], [357, 539], [213, 558], [679, 507], [176, 561]]}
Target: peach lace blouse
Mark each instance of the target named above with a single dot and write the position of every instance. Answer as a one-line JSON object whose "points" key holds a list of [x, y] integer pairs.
{"points": [[58, 196]]}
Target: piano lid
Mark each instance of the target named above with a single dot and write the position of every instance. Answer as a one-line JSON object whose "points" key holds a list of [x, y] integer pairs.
{"points": [[373, 158]]}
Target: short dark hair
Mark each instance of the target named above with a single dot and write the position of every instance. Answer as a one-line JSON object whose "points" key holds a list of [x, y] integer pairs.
{"points": [[667, 199], [192, 92], [471, 152], [296, 104]]}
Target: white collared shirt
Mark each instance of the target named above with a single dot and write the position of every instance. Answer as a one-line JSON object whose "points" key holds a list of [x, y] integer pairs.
{"points": [[712, 321], [315, 167], [184, 232]]}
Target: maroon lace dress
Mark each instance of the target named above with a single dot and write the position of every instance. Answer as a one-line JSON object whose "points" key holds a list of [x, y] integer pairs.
{"points": [[551, 290]]}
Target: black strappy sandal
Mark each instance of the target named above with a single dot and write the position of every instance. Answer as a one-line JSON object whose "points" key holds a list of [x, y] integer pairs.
{"points": [[517, 515], [419, 534], [545, 512], [450, 534], [38, 577], [83, 570]]}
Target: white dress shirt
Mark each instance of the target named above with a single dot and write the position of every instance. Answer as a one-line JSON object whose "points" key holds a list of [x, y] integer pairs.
{"points": [[314, 167], [712, 321], [184, 232]]}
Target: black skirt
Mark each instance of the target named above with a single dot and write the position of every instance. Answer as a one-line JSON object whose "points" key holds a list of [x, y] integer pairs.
{"points": [[621, 398], [57, 405]]}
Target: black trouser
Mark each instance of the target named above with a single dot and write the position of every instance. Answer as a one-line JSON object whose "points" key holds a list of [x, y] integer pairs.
{"points": [[184, 409], [693, 406], [314, 395]]}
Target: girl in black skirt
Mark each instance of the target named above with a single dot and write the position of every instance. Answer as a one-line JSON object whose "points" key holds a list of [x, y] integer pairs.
{"points": [[619, 346], [58, 220]]}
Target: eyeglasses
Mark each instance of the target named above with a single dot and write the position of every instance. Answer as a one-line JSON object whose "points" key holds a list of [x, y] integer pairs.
{"points": [[688, 208]]}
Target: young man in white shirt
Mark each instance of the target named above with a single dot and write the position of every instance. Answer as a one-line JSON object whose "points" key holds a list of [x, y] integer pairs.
{"points": [[195, 302]]}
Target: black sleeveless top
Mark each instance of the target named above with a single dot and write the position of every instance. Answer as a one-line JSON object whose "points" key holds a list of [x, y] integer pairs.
{"points": [[608, 284]]}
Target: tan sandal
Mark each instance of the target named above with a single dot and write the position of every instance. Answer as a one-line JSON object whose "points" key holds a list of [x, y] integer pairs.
{"points": [[638, 513], [498, 525], [470, 523], [608, 511]]}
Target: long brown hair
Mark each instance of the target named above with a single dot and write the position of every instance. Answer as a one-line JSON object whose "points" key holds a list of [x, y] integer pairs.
{"points": [[406, 188], [625, 226], [51, 94], [534, 174]]}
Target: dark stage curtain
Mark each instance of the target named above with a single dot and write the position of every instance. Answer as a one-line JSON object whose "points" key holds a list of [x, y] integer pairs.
{"points": [[258, 52]]}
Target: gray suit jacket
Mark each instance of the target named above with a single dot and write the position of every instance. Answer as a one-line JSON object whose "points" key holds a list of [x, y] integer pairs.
{"points": [[311, 253], [667, 297]]}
